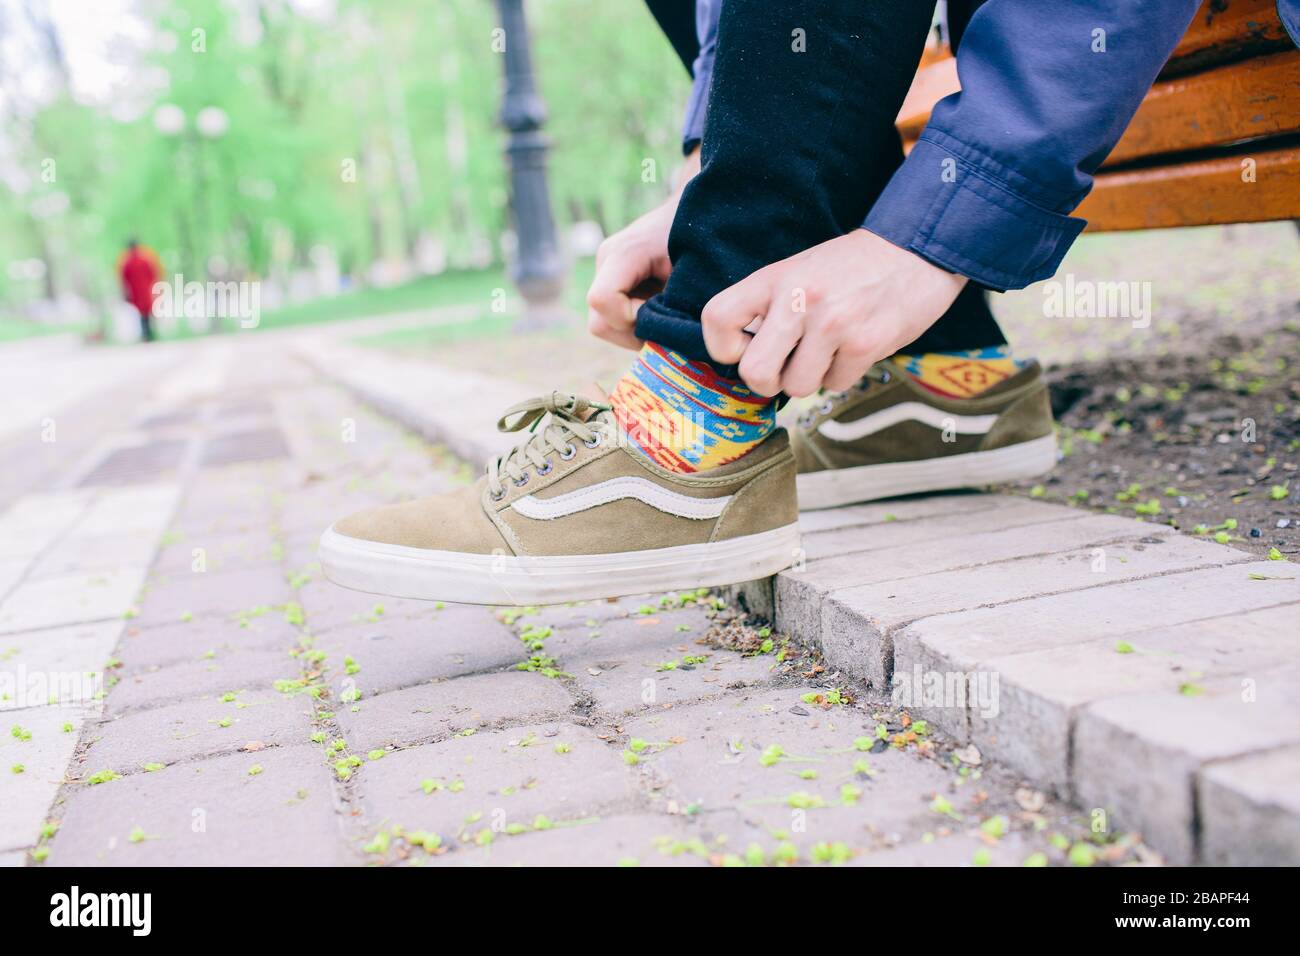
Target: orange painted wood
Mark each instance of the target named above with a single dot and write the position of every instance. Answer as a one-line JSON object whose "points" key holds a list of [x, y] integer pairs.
{"points": [[1226, 30], [931, 84], [1246, 100], [1197, 193]]}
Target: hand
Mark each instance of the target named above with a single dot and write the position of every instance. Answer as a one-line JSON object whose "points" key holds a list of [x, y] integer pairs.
{"points": [[631, 266], [827, 314]]}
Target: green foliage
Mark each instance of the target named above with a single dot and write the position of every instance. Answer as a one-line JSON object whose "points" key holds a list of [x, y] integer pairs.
{"points": [[405, 94]]}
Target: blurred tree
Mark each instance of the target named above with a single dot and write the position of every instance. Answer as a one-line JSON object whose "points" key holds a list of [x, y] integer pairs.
{"points": [[251, 135]]}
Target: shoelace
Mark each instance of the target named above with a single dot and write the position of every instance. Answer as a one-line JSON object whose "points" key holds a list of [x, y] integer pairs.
{"points": [[556, 436], [877, 373]]}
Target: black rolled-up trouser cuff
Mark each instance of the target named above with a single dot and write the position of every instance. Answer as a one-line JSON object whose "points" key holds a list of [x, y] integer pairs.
{"points": [[660, 323]]}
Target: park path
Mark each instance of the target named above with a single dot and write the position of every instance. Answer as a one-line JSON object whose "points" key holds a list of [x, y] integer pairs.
{"points": [[182, 687], [1148, 675]]}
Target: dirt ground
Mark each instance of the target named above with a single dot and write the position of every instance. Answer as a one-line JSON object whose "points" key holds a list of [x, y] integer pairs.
{"points": [[1208, 442]]}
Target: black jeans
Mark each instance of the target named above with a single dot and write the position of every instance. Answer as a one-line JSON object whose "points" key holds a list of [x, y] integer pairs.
{"points": [[796, 149]]}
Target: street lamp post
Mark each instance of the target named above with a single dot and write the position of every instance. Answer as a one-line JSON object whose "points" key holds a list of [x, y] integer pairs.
{"points": [[539, 268]]}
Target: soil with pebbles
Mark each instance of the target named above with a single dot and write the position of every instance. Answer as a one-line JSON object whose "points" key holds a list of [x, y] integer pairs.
{"points": [[1191, 440]]}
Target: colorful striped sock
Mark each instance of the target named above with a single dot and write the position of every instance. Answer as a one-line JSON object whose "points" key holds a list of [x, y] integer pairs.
{"points": [[684, 416], [961, 374]]}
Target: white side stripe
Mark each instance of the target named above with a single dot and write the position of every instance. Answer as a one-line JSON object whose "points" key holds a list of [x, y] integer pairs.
{"points": [[642, 489], [906, 412]]}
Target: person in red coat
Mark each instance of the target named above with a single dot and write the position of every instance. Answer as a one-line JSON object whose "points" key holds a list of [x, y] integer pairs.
{"points": [[139, 270]]}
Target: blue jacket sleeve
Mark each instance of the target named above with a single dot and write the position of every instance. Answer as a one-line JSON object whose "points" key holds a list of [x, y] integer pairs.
{"points": [[1047, 91], [706, 26]]}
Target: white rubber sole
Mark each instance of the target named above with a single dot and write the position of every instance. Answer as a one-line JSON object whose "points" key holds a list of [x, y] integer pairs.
{"points": [[499, 579], [845, 486]]}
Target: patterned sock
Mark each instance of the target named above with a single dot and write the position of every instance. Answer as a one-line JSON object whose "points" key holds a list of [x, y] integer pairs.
{"points": [[961, 374], [685, 417]]}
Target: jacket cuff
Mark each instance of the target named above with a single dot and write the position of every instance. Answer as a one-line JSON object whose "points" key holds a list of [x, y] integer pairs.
{"points": [[955, 208]]}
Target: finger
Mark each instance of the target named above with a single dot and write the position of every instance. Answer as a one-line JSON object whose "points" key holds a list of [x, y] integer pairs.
{"points": [[765, 358], [728, 313], [607, 296], [847, 368], [621, 334], [807, 367]]}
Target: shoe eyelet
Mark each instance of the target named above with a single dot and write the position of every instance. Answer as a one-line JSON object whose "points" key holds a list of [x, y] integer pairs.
{"points": [[545, 469], [595, 440], [497, 496], [885, 377], [805, 421], [568, 451], [826, 407], [521, 482]]}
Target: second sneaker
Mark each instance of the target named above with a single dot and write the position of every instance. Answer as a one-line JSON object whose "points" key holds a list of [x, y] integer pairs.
{"points": [[890, 436]]}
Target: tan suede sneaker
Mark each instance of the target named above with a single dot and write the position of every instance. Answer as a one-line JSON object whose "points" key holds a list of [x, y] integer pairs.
{"points": [[889, 436], [573, 514]]}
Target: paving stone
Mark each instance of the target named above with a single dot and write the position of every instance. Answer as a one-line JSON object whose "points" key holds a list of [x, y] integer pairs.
{"points": [[190, 641], [35, 521], [1250, 810], [897, 509], [209, 813], [1137, 756], [198, 679], [996, 535], [961, 643], [233, 507], [26, 796], [193, 729], [327, 427], [1039, 692], [858, 623], [221, 551], [329, 606], [222, 594], [956, 849], [579, 612], [432, 710], [503, 781], [12, 570], [432, 404], [63, 663], [621, 668], [142, 509], [756, 598], [318, 505], [718, 766], [635, 839], [977, 515], [400, 652], [81, 553], [70, 599]]}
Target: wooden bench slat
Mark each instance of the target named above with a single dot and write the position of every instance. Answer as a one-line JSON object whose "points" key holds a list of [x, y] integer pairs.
{"points": [[1246, 100], [1227, 30], [1203, 192]]}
